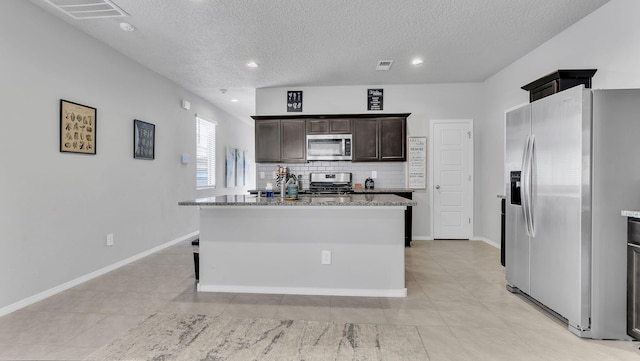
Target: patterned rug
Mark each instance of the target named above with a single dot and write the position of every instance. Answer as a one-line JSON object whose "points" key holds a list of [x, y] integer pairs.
{"points": [[165, 337]]}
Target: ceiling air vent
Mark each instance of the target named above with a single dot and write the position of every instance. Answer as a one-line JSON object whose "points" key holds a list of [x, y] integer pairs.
{"points": [[384, 65], [88, 9]]}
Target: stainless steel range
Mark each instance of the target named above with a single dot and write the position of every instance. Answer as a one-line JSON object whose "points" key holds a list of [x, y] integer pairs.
{"points": [[330, 183]]}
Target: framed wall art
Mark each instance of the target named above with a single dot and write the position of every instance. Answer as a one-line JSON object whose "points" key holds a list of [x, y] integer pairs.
{"points": [[230, 167], [375, 99], [144, 140], [417, 162], [239, 167], [77, 128], [247, 164], [294, 101]]}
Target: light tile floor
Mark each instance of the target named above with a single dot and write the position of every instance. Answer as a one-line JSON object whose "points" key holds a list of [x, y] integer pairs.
{"points": [[457, 300]]}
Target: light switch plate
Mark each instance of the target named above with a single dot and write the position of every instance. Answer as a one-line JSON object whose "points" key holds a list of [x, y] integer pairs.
{"points": [[326, 257], [374, 174]]}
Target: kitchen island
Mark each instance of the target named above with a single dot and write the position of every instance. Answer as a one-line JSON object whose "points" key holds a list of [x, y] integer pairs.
{"points": [[347, 245], [402, 192]]}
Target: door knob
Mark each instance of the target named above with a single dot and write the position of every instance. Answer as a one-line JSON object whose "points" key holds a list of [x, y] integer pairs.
{"points": [[437, 187]]}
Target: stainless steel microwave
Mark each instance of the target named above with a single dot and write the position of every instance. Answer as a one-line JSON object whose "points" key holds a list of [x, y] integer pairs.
{"points": [[329, 147]]}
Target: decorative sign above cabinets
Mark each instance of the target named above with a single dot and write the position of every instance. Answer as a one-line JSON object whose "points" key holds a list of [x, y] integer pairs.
{"points": [[294, 101], [374, 99]]}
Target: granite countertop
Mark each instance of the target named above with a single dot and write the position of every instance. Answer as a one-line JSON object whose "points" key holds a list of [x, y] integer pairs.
{"points": [[375, 190], [385, 190], [304, 200], [632, 214]]}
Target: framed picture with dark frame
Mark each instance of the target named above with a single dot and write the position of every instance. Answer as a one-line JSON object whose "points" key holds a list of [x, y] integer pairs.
{"points": [[294, 101], [375, 99], [144, 139], [77, 128]]}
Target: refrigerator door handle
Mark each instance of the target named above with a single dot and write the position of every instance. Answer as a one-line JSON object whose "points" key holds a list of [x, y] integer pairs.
{"points": [[531, 175], [524, 193]]}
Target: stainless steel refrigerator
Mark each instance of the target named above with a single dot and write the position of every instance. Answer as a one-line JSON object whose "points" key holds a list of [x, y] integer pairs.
{"points": [[572, 163]]}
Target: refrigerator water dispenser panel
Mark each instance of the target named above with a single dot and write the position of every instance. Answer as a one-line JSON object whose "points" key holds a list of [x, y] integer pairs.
{"points": [[515, 188]]}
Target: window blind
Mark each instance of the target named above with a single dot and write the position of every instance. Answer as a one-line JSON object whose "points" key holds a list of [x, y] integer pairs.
{"points": [[205, 153]]}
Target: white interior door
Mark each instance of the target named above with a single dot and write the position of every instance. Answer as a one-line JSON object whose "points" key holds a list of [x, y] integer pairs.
{"points": [[452, 178]]}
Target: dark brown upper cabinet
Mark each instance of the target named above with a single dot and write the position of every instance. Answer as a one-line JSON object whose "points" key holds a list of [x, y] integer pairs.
{"points": [[393, 139], [366, 135], [328, 126], [267, 140], [376, 137], [280, 140], [294, 147], [380, 139]]}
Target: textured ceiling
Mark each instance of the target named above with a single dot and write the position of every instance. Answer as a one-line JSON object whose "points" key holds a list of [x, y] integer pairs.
{"points": [[204, 45]]}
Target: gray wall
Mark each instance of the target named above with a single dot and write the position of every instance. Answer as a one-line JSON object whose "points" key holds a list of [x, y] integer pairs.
{"points": [[423, 101], [57, 208], [607, 40]]}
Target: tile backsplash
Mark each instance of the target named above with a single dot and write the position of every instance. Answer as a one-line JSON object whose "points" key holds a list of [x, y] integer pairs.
{"points": [[390, 174]]}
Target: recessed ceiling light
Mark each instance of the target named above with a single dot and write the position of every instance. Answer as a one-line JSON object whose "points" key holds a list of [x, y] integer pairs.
{"points": [[417, 61], [252, 64], [234, 100], [127, 27]]}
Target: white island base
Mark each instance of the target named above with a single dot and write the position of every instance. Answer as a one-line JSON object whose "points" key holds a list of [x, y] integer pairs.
{"points": [[278, 250]]}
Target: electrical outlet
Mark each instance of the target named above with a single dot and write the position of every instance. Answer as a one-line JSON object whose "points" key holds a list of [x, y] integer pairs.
{"points": [[326, 257], [374, 174], [261, 175], [109, 239]]}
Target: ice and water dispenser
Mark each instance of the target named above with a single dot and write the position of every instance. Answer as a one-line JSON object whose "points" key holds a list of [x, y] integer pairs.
{"points": [[515, 188]]}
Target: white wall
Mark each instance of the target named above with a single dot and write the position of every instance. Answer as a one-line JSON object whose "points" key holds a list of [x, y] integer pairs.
{"points": [[423, 101], [57, 208], [606, 40]]}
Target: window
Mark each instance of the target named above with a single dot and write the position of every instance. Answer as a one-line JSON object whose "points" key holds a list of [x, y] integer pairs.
{"points": [[205, 153]]}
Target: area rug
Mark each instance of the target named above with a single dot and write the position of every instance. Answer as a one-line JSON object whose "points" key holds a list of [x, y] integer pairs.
{"points": [[164, 336]]}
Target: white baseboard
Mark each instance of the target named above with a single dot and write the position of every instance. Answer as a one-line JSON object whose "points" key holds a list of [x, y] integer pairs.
{"points": [[475, 238], [487, 241], [65, 286], [304, 291], [422, 238]]}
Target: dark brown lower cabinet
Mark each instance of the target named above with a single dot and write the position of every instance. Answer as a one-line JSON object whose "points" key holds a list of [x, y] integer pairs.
{"points": [[408, 219]]}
